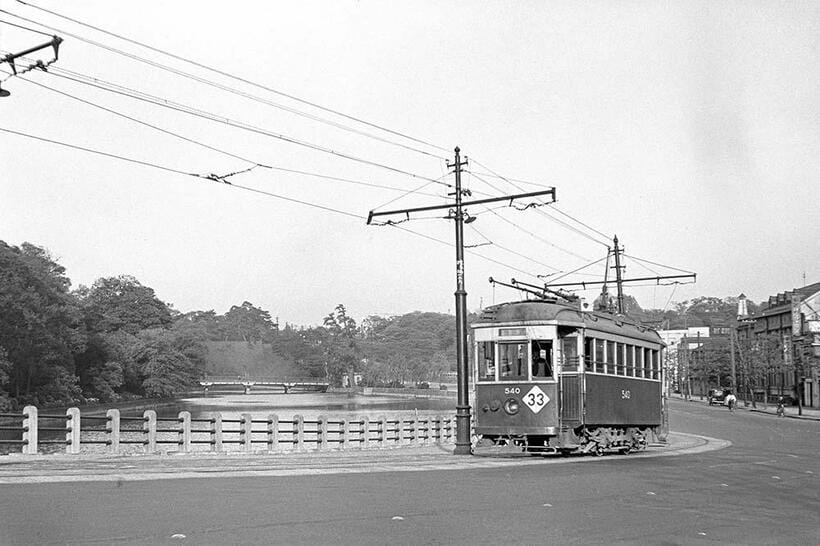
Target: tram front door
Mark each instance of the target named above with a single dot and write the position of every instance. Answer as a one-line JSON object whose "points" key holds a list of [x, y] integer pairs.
{"points": [[571, 402]]}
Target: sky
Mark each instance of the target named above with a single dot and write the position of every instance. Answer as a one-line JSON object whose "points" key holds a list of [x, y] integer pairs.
{"points": [[688, 129]]}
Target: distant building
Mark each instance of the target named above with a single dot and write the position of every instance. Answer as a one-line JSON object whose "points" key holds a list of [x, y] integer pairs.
{"points": [[786, 336], [686, 339]]}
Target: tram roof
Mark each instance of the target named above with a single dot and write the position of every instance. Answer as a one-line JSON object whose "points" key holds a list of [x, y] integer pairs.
{"points": [[564, 313]]}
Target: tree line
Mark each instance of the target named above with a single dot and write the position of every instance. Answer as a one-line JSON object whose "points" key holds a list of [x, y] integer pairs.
{"points": [[117, 340]]}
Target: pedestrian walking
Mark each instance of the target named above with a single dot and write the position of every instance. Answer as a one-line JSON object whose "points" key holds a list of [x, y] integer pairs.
{"points": [[731, 401], [781, 407]]}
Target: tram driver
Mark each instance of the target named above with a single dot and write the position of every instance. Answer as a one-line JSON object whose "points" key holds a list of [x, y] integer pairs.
{"points": [[541, 359]]}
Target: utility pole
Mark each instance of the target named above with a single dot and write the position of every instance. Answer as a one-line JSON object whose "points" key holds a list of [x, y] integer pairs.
{"points": [[457, 213], [463, 443]]}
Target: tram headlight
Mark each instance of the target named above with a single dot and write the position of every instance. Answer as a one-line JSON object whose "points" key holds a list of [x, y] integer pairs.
{"points": [[511, 406]]}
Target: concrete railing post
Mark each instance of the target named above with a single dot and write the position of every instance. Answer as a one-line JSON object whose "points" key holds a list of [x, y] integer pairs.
{"points": [[246, 432], [416, 431], [428, 438], [149, 427], [345, 443], [382, 431], [30, 430], [216, 432], [298, 433], [439, 429], [322, 432], [402, 435], [273, 432], [365, 432], [72, 431], [184, 437], [112, 425]]}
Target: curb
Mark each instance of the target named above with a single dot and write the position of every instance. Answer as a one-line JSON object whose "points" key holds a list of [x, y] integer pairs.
{"points": [[755, 410], [121, 469]]}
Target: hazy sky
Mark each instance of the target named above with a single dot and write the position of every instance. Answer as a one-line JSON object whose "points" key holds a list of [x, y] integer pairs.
{"points": [[689, 129]]}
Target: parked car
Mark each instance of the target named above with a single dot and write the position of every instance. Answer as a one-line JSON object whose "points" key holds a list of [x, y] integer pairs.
{"points": [[718, 396]]}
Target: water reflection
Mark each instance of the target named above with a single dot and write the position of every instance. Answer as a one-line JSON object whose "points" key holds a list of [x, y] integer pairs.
{"points": [[309, 405]]}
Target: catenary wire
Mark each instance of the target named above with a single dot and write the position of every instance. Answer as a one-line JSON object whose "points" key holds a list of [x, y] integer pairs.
{"points": [[246, 188], [519, 254], [544, 213], [657, 264], [213, 148], [227, 88], [548, 216], [125, 91], [24, 28], [178, 171]]}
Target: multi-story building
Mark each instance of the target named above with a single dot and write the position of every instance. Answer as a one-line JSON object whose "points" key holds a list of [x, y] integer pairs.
{"points": [[678, 342], [781, 345]]}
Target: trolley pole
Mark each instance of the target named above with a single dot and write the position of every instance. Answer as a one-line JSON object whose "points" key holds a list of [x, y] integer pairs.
{"points": [[463, 443]]}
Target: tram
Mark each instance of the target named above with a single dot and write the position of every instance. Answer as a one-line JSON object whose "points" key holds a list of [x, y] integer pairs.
{"points": [[554, 377]]}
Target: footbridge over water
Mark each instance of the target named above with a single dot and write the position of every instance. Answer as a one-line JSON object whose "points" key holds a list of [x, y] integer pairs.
{"points": [[288, 384]]}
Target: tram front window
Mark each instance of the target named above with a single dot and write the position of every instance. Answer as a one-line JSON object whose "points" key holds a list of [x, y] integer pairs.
{"points": [[541, 359], [513, 360], [486, 361]]}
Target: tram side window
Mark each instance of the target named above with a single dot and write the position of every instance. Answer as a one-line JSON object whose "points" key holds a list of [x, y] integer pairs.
{"points": [[600, 363], [512, 358], [611, 364], [639, 362], [486, 361], [619, 359], [630, 360], [541, 359], [656, 365], [589, 354]]}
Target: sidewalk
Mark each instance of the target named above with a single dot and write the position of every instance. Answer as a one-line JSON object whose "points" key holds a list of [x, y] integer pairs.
{"points": [[119, 468], [810, 414]]}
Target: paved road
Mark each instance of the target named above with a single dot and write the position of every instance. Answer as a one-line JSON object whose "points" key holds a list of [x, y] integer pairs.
{"points": [[764, 489]]}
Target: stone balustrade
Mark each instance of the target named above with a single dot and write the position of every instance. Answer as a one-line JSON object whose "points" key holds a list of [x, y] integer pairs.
{"points": [[117, 434]]}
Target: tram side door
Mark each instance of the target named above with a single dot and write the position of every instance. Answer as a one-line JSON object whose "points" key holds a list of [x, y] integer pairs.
{"points": [[571, 383]]}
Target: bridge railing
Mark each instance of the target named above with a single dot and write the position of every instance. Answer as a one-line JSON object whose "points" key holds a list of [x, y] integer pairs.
{"points": [[263, 379], [117, 434]]}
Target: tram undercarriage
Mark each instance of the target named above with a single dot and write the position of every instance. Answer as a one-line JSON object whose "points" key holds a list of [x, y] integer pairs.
{"points": [[597, 440]]}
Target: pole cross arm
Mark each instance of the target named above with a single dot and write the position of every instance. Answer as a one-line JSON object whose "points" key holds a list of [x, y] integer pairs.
{"points": [[510, 198], [11, 57], [657, 279]]}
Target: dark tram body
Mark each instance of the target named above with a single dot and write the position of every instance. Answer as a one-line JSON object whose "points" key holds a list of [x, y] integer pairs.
{"points": [[551, 377]]}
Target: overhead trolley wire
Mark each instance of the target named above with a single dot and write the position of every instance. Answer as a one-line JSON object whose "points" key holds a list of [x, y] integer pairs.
{"points": [[145, 123], [227, 88], [178, 171], [145, 97], [558, 221], [246, 188], [213, 148], [519, 254], [25, 28], [657, 264]]}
